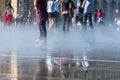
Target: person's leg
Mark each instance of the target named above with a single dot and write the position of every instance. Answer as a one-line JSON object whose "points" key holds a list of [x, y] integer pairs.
{"points": [[81, 18], [102, 22], [69, 22], [84, 20], [42, 28], [64, 21], [52, 22], [90, 20], [95, 21], [56, 19], [81, 21], [76, 21]]}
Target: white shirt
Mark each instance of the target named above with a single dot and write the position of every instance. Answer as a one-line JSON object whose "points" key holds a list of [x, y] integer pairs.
{"points": [[50, 6], [88, 6]]}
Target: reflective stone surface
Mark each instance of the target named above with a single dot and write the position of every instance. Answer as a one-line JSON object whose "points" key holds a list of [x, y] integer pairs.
{"points": [[61, 57]]}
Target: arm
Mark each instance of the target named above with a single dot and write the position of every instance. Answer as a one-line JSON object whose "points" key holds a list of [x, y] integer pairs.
{"points": [[83, 5], [4, 11], [35, 4], [13, 9], [59, 2], [61, 8]]}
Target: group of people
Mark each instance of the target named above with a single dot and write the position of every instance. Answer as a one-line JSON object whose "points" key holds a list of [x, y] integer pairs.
{"points": [[51, 9], [55, 10]]}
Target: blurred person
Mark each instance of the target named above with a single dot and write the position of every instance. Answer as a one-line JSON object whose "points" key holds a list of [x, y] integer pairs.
{"points": [[51, 10], [25, 20], [117, 22], [41, 9], [67, 13], [72, 8], [79, 13], [95, 17], [30, 18], [87, 13], [8, 12], [57, 12], [100, 17]]}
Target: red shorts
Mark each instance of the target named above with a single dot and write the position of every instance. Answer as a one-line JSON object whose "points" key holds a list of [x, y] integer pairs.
{"points": [[8, 18]]}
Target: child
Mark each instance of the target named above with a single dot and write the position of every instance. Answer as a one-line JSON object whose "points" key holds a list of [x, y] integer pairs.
{"points": [[100, 17], [9, 14]]}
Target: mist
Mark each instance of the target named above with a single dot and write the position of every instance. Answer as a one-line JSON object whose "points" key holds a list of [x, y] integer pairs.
{"points": [[22, 40]]}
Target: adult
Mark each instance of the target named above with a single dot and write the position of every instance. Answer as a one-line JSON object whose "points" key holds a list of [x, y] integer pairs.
{"points": [[79, 13], [67, 13], [51, 10], [57, 12], [87, 13], [41, 9]]}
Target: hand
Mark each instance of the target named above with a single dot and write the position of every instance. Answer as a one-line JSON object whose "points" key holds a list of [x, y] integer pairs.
{"points": [[35, 8]]}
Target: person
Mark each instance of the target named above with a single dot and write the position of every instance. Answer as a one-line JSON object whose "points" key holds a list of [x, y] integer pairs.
{"points": [[87, 13], [51, 10], [72, 8], [57, 12], [79, 13], [100, 17], [67, 13], [8, 11], [41, 9], [30, 20]]}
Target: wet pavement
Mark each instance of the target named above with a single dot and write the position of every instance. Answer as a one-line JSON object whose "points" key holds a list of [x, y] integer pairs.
{"points": [[22, 40], [100, 45]]}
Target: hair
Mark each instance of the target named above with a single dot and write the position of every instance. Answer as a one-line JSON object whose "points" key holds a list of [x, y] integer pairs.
{"points": [[100, 10], [9, 5]]}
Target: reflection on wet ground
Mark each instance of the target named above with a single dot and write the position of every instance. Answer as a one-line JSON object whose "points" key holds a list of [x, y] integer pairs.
{"points": [[62, 56]]}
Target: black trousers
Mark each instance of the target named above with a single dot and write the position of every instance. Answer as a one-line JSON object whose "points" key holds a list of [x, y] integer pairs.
{"points": [[87, 16], [66, 22], [79, 18], [57, 18], [43, 30]]}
